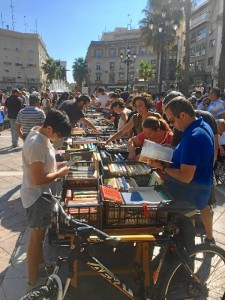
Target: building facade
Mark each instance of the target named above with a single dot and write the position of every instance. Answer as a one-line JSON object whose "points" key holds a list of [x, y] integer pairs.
{"points": [[205, 43], [105, 67], [21, 58]]}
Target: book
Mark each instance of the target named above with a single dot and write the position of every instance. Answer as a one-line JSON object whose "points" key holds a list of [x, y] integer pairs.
{"points": [[154, 151], [111, 194], [149, 197], [73, 159]]}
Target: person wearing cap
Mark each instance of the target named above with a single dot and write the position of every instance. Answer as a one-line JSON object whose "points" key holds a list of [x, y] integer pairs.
{"points": [[13, 105], [29, 117]]}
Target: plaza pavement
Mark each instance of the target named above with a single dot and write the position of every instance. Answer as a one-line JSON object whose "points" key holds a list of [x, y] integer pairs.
{"points": [[13, 228]]}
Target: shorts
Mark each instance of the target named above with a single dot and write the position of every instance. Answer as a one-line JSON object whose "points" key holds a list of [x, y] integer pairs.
{"points": [[39, 214]]}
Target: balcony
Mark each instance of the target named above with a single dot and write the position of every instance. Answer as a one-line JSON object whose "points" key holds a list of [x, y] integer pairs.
{"points": [[9, 79], [120, 82], [18, 64], [7, 63], [98, 82]]}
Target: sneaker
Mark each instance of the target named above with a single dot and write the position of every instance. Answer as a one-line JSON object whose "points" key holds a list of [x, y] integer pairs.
{"points": [[209, 242], [15, 146], [41, 281]]}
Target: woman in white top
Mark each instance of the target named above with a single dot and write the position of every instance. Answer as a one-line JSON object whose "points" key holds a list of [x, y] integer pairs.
{"points": [[118, 107]]}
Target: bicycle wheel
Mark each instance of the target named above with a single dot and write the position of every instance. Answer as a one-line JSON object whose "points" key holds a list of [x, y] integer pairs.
{"points": [[209, 266]]}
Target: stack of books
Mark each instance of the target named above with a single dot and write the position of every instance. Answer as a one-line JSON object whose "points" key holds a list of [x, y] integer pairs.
{"points": [[125, 169]]}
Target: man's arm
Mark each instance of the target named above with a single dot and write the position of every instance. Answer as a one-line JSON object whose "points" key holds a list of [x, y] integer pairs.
{"points": [[185, 174], [89, 124], [19, 130]]}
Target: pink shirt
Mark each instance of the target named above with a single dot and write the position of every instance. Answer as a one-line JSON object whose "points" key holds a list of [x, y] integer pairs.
{"points": [[167, 140]]}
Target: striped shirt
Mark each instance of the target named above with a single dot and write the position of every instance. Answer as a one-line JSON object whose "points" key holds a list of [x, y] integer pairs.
{"points": [[29, 117]]}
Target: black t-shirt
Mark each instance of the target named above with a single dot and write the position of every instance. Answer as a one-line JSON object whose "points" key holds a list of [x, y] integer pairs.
{"points": [[206, 116], [14, 105], [73, 111]]}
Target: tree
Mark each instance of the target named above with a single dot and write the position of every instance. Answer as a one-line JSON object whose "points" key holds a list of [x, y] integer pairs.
{"points": [[79, 71], [146, 71], [221, 73], [179, 75], [51, 69], [157, 30]]}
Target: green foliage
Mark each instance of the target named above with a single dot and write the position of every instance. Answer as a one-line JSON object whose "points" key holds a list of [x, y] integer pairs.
{"points": [[79, 71], [51, 69], [146, 70], [179, 75]]}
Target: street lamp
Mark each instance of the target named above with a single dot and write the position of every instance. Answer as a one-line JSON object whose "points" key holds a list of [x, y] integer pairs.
{"points": [[128, 61]]}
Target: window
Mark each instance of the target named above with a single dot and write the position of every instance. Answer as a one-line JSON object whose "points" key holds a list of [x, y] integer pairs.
{"points": [[143, 51], [30, 49], [153, 61], [111, 78], [98, 53], [18, 48], [112, 53], [122, 65], [133, 51], [202, 31], [5, 45], [98, 77], [121, 76], [111, 66], [98, 66], [212, 43], [210, 61]]}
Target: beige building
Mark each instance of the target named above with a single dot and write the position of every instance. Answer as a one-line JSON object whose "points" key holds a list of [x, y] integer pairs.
{"points": [[104, 63], [21, 58], [205, 43]]}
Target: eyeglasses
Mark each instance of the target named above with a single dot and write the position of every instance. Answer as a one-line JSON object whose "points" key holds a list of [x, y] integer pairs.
{"points": [[172, 120]]}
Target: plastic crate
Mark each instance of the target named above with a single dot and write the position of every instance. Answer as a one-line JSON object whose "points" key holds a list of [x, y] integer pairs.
{"points": [[124, 216], [91, 215]]}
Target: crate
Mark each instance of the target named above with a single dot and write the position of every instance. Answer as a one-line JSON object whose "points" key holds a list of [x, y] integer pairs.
{"points": [[91, 215], [83, 204], [124, 216], [71, 180]]}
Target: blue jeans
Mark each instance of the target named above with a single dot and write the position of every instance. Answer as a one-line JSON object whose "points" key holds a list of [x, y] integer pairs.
{"points": [[15, 137]]}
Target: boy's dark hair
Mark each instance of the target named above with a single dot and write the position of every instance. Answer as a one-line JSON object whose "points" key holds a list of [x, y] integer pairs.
{"points": [[119, 102], [59, 121], [180, 104], [83, 98]]}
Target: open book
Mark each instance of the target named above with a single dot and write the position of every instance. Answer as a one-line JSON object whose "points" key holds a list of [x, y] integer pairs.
{"points": [[151, 150]]}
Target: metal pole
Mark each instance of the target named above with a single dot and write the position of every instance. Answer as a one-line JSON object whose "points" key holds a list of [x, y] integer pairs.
{"points": [[127, 75]]}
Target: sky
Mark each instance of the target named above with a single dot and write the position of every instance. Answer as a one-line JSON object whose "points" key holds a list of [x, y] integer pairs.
{"points": [[68, 26]]}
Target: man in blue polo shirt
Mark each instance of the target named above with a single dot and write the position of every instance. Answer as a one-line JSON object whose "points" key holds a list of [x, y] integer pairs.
{"points": [[190, 175]]}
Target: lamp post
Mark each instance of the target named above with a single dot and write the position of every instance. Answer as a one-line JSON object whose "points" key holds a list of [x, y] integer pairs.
{"points": [[128, 61]]}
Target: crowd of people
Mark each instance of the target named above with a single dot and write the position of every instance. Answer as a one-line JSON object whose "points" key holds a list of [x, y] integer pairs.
{"points": [[193, 126]]}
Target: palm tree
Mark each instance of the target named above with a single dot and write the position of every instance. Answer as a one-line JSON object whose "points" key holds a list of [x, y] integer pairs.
{"points": [[146, 71], [221, 75], [154, 22], [79, 71], [51, 69]]}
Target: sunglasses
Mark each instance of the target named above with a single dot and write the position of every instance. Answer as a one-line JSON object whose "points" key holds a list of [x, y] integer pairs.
{"points": [[172, 120]]}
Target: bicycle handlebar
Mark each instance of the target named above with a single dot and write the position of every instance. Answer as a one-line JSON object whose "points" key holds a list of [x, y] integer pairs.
{"points": [[68, 220]]}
